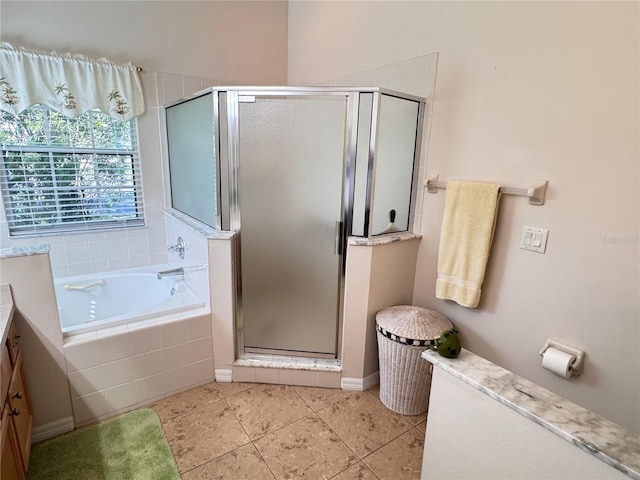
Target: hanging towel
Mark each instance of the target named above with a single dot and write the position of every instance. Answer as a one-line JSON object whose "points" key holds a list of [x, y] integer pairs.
{"points": [[470, 213]]}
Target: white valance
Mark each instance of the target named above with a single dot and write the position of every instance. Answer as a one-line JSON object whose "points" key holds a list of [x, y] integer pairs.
{"points": [[71, 85]]}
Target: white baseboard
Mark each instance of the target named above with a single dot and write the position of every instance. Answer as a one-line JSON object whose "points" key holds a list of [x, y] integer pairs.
{"points": [[42, 432], [224, 375], [360, 384]]}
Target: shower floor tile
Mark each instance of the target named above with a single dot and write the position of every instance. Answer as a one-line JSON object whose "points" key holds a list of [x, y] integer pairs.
{"points": [[256, 431]]}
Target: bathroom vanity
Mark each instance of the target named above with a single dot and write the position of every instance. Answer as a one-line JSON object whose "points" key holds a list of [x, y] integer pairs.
{"points": [[488, 423], [16, 419]]}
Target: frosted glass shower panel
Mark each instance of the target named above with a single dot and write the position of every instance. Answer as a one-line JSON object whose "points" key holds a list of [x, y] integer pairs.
{"points": [[290, 184], [394, 170], [365, 110], [192, 160]]}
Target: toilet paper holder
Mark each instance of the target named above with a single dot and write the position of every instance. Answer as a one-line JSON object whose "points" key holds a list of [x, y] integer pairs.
{"points": [[576, 367]]}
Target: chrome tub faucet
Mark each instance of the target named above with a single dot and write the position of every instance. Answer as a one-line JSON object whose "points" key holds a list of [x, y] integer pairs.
{"points": [[178, 248]]}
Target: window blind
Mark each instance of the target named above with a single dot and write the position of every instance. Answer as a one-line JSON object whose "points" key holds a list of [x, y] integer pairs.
{"points": [[61, 174]]}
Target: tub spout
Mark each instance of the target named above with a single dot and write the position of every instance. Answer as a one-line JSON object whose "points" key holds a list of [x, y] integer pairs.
{"points": [[172, 272]]}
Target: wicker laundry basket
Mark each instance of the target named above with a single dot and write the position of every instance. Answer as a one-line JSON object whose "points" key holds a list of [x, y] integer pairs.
{"points": [[404, 332]]}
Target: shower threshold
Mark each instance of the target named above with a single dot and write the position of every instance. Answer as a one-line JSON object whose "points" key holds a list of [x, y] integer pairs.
{"points": [[297, 362], [287, 353]]}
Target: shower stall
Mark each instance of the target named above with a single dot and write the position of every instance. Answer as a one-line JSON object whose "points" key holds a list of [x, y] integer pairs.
{"points": [[294, 172]]}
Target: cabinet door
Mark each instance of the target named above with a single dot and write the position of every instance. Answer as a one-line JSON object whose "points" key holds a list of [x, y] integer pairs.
{"points": [[5, 372], [10, 463], [13, 342], [21, 412]]}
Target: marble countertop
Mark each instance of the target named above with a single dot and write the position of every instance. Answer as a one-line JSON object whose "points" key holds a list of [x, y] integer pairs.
{"points": [[383, 239], [6, 310], [22, 251], [596, 435]]}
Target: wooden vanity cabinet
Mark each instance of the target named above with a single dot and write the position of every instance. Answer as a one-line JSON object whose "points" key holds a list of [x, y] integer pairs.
{"points": [[17, 414]]}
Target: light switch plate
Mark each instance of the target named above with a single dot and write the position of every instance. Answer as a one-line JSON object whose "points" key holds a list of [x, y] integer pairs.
{"points": [[534, 239]]}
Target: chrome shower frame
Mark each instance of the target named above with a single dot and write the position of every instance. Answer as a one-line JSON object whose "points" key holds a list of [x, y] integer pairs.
{"points": [[226, 120]]}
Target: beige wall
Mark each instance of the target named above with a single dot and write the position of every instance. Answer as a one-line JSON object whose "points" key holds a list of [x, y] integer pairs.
{"points": [[228, 42], [235, 42], [523, 90], [377, 276], [38, 324]]}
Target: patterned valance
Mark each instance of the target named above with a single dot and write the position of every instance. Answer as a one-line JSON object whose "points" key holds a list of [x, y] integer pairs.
{"points": [[71, 85]]}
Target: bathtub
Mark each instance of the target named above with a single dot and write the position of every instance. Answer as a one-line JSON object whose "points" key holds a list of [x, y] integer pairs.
{"points": [[97, 301]]}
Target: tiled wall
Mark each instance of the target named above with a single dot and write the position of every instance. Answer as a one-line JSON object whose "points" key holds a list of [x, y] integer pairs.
{"points": [[287, 376], [196, 255], [109, 374], [82, 253], [171, 87], [94, 252]]}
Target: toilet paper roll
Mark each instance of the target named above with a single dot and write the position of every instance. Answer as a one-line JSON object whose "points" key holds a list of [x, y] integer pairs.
{"points": [[558, 362]]}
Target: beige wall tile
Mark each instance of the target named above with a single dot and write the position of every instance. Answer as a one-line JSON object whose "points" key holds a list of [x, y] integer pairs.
{"points": [[201, 372], [244, 374], [267, 375]]}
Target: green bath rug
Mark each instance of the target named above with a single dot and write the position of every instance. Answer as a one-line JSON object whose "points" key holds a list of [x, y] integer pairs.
{"points": [[129, 447]]}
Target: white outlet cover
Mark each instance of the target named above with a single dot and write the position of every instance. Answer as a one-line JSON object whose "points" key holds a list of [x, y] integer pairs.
{"points": [[534, 239]]}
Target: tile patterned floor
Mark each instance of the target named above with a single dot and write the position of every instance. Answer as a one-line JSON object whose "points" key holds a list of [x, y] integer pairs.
{"points": [[255, 431]]}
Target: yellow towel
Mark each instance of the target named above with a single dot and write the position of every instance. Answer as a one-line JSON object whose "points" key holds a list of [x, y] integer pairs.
{"points": [[465, 240]]}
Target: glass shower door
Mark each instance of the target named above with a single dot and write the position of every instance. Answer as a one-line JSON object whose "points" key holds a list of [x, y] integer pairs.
{"points": [[290, 184]]}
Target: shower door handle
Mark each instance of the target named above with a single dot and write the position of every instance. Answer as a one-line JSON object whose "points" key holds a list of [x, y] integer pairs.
{"points": [[337, 240]]}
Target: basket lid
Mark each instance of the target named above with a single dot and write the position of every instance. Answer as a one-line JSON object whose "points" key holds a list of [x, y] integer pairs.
{"points": [[413, 322]]}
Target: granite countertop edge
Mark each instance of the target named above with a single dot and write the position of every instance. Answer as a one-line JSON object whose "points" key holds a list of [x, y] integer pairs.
{"points": [[24, 251], [607, 441], [383, 239]]}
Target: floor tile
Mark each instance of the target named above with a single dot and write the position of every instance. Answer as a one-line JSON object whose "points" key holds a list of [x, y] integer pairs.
{"points": [[375, 390], [204, 434], [266, 408], [415, 419], [189, 400], [363, 422], [412, 419], [359, 471], [319, 398], [306, 448], [244, 463], [421, 427], [400, 458]]}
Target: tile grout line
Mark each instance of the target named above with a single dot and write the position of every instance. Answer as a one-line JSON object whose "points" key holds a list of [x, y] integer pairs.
{"points": [[251, 440], [312, 412], [358, 459]]}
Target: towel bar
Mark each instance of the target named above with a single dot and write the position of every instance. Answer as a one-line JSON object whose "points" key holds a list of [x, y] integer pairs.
{"points": [[536, 192]]}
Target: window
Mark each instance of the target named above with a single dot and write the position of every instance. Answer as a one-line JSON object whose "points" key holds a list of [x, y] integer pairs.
{"points": [[61, 174]]}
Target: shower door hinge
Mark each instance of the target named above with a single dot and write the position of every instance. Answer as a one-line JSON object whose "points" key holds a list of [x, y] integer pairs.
{"points": [[246, 99]]}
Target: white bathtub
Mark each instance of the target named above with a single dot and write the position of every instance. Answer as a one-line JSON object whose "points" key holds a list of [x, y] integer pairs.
{"points": [[120, 297]]}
